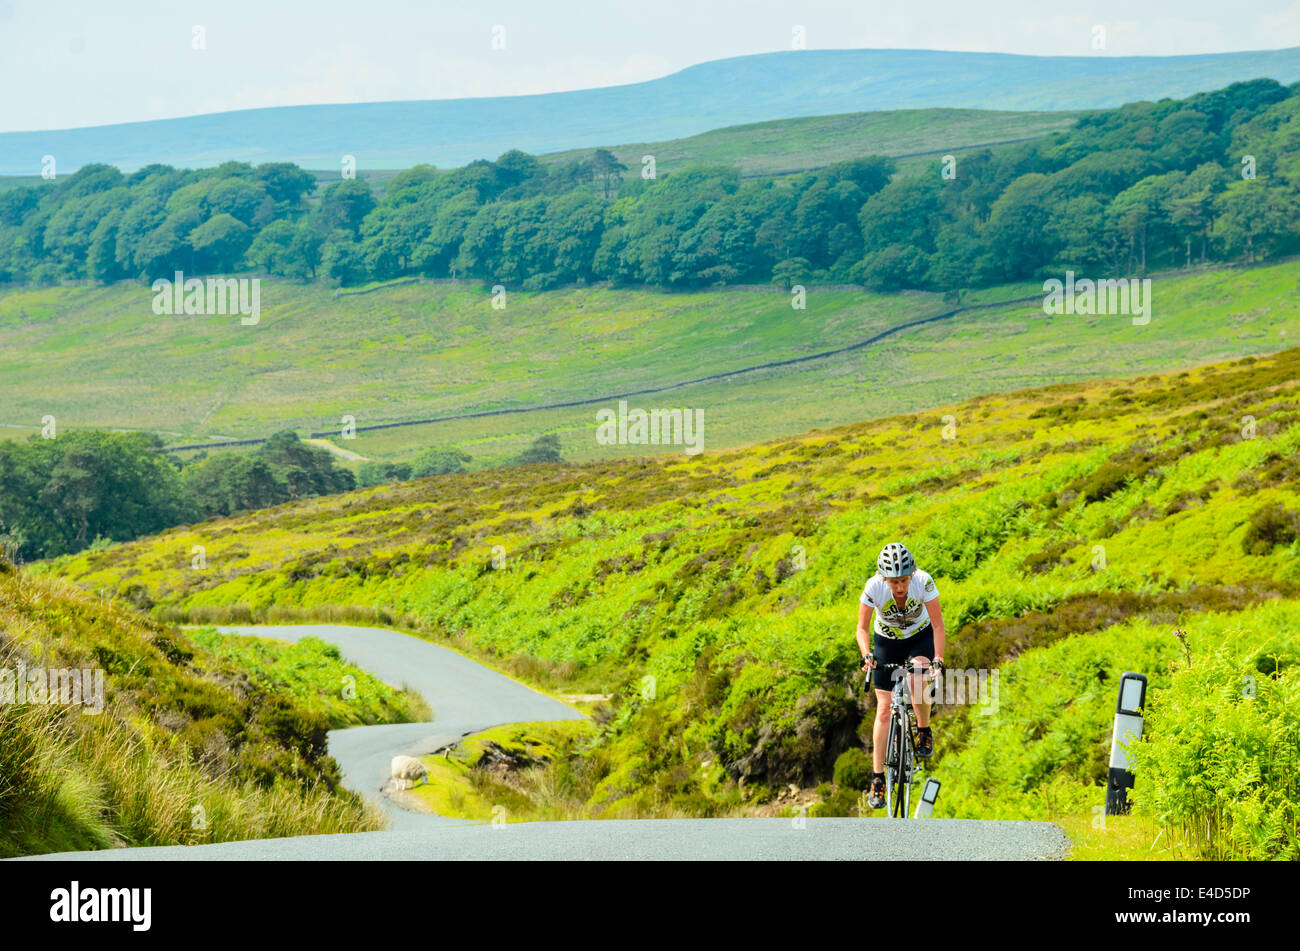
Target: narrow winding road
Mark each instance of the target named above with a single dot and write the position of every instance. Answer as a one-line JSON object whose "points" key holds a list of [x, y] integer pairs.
{"points": [[467, 697]]}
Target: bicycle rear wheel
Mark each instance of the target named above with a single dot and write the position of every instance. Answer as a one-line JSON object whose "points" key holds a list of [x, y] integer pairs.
{"points": [[898, 806], [890, 759], [905, 773]]}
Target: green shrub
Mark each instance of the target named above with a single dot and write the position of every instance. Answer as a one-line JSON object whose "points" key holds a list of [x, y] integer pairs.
{"points": [[545, 448], [1269, 527], [372, 473], [435, 462], [853, 770], [843, 802]]}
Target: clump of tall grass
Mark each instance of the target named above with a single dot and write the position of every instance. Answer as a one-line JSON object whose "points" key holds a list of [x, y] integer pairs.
{"points": [[46, 804], [152, 798], [70, 782]]}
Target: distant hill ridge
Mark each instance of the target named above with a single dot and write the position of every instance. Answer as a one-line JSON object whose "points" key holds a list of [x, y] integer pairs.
{"points": [[707, 96]]}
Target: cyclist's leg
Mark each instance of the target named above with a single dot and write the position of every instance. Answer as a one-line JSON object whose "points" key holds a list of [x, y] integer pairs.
{"points": [[920, 695], [920, 652], [885, 651], [880, 731]]}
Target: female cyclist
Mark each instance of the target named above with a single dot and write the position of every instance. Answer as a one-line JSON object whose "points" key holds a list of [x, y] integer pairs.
{"points": [[908, 626]]}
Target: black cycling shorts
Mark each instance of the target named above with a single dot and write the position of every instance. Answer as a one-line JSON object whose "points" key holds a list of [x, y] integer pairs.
{"points": [[888, 650]]}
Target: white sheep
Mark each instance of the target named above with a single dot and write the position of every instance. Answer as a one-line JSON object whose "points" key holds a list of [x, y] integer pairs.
{"points": [[408, 772]]}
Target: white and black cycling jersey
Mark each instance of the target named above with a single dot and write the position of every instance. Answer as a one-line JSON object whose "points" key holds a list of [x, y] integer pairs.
{"points": [[892, 621]]}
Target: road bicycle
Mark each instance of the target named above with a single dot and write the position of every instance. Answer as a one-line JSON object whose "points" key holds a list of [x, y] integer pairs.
{"points": [[900, 748]]}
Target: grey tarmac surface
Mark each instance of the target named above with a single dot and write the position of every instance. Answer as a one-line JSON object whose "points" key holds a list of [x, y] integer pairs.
{"points": [[467, 697], [646, 840]]}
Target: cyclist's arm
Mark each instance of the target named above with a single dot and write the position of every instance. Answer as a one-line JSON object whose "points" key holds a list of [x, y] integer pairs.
{"points": [[864, 630], [936, 622]]}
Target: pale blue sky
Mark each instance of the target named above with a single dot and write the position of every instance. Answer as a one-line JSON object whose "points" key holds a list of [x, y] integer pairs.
{"points": [[66, 64]]}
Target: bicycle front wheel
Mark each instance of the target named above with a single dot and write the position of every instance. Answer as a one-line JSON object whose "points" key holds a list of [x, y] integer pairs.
{"points": [[905, 772], [891, 757], [898, 807]]}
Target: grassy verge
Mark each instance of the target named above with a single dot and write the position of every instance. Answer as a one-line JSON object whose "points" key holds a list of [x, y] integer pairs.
{"points": [[1097, 838], [553, 678], [519, 772], [315, 675]]}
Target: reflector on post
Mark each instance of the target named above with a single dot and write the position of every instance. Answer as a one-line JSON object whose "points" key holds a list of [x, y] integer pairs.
{"points": [[928, 795], [1128, 730], [1132, 693]]}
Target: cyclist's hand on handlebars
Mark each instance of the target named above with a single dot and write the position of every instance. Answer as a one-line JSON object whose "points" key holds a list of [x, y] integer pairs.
{"points": [[869, 662]]}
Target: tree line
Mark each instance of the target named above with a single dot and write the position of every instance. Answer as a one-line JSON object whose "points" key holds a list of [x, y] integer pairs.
{"points": [[88, 487], [1214, 177], [93, 487]]}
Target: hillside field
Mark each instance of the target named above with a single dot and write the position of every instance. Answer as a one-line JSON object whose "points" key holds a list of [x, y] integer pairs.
{"points": [[785, 146], [418, 350]]}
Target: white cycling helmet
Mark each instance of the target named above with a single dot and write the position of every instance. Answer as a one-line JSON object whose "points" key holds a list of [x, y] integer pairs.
{"points": [[895, 561]]}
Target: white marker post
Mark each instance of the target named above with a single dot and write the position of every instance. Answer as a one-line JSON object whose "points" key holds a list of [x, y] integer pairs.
{"points": [[1128, 730], [928, 795]]}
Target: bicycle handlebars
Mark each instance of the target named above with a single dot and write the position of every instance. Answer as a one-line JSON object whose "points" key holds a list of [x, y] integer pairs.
{"points": [[906, 665]]}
